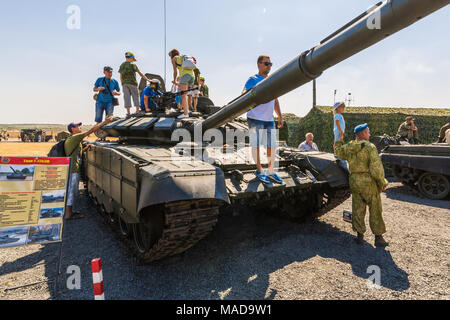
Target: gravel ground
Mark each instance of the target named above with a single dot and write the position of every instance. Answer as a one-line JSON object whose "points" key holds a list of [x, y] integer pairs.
{"points": [[252, 257]]}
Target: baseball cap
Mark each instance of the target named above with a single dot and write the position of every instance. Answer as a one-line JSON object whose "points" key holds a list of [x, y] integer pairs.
{"points": [[73, 125], [108, 69], [130, 55]]}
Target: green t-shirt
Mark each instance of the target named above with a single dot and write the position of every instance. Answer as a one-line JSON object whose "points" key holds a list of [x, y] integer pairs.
{"points": [[205, 91], [72, 146], [128, 71]]}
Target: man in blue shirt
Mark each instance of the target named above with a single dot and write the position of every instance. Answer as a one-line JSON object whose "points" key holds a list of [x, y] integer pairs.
{"points": [[150, 92], [260, 120], [107, 88]]}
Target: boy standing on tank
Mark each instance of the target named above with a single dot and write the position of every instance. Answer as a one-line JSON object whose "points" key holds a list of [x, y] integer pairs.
{"points": [[127, 72]]}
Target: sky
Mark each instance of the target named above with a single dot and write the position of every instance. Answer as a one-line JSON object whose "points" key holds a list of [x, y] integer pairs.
{"points": [[48, 70]]}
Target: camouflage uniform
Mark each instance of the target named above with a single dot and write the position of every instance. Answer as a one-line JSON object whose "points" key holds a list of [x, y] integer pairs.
{"points": [[366, 181], [405, 132]]}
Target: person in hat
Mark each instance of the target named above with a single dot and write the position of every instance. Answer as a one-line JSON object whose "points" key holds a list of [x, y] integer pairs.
{"points": [[338, 122], [441, 138], [151, 91], [408, 131], [74, 149], [128, 71], [204, 90], [367, 181], [107, 88]]}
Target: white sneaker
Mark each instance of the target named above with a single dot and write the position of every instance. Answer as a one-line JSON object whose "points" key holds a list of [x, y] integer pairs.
{"points": [[183, 116]]}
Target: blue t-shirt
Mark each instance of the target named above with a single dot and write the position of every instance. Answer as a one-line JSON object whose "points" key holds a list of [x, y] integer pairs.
{"points": [[263, 112], [338, 117], [106, 96], [149, 93]]}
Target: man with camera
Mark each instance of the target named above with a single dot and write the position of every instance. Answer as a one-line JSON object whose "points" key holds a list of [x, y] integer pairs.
{"points": [[107, 88]]}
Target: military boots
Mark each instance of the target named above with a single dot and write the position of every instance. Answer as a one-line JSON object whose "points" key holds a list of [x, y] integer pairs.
{"points": [[359, 239], [380, 242]]}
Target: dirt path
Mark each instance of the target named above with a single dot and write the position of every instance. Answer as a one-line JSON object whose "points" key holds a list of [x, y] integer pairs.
{"points": [[253, 257]]}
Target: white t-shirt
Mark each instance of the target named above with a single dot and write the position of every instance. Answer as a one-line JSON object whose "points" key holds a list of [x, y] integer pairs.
{"points": [[263, 112]]}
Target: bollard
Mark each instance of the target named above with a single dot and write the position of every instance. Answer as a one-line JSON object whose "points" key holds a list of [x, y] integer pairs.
{"points": [[97, 277]]}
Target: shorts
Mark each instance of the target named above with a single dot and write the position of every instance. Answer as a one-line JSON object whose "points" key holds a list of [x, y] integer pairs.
{"points": [[337, 136], [194, 93], [72, 193], [262, 133], [101, 107], [178, 99], [187, 79], [130, 91]]}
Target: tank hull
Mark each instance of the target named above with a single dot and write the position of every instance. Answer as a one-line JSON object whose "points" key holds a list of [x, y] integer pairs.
{"points": [[166, 204], [425, 168]]}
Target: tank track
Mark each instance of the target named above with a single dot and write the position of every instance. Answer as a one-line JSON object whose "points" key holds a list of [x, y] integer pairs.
{"points": [[186, 223], [335, 198]]}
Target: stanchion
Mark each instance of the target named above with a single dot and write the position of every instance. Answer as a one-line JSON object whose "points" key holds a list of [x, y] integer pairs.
{"points": [[97, 277]]}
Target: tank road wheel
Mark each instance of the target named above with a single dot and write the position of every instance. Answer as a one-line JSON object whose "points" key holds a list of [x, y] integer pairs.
{"points": [[149, 231], [434, 186], [124, 228]]}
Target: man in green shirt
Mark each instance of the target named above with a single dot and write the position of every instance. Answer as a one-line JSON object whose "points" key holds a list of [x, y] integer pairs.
{"points": [[127, 72], [204, 90], [74, 149]]}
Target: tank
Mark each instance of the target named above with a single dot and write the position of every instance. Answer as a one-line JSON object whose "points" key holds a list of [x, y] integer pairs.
{"points": [[33, 135], [425, 168], [16, 175], [163, 181]]}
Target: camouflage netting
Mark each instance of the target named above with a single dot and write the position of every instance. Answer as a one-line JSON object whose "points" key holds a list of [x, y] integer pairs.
{"points": [[319, 121]]}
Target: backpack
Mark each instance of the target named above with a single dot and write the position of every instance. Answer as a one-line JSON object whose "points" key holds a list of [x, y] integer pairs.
{"points": [[188, 62], [58, 151]]}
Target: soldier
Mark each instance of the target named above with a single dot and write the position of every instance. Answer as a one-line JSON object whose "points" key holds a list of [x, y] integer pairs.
{"points": [[443, 131], [408, 131], [366, 183]]}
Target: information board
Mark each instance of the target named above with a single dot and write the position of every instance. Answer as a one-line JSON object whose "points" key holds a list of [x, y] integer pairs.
{"points": [[32, 199]]}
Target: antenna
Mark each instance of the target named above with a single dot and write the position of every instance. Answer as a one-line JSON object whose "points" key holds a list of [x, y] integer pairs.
{"points": [[165, 43]]}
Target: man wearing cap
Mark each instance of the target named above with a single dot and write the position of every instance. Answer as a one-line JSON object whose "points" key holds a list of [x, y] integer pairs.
{"points": [[107, 88], [127, 72], [408, 131], [204, 90], [74, 149], [443, 130], [151, 91], [367, 181]]}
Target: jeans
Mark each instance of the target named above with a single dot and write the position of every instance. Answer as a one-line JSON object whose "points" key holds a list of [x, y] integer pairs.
{"points": [[101, 107]]}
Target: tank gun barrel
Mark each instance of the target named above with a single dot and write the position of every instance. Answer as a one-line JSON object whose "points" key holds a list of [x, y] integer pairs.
{"points": [[377, 23]]}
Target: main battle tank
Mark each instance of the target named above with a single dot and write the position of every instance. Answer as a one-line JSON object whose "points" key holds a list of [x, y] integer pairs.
{"points": [[164, 180], [425, 168]]}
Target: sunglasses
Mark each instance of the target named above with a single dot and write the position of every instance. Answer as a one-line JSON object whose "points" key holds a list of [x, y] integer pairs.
{"points": [[267, 63]]}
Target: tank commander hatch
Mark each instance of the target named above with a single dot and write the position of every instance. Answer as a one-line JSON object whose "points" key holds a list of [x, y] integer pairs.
{"points": [[408, 131]]}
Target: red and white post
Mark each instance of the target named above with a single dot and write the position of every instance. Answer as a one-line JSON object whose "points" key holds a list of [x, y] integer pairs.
{"points": [[97, 277]]}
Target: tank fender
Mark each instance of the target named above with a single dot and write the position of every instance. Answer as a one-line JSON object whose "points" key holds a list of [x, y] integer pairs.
{"points": [[435, 164]]}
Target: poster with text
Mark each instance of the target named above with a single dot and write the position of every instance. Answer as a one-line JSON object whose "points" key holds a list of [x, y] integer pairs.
{"points": [[32, 199]]}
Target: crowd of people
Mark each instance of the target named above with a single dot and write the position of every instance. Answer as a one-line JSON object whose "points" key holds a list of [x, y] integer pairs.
{"points": [[107, 89]]}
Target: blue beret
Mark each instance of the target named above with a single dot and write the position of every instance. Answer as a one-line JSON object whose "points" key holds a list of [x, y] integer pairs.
{"points": [[361, 127]]}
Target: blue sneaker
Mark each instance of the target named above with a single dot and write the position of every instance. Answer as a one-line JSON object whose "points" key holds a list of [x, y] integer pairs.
{"points": [[262, 177], [276, 178]]}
